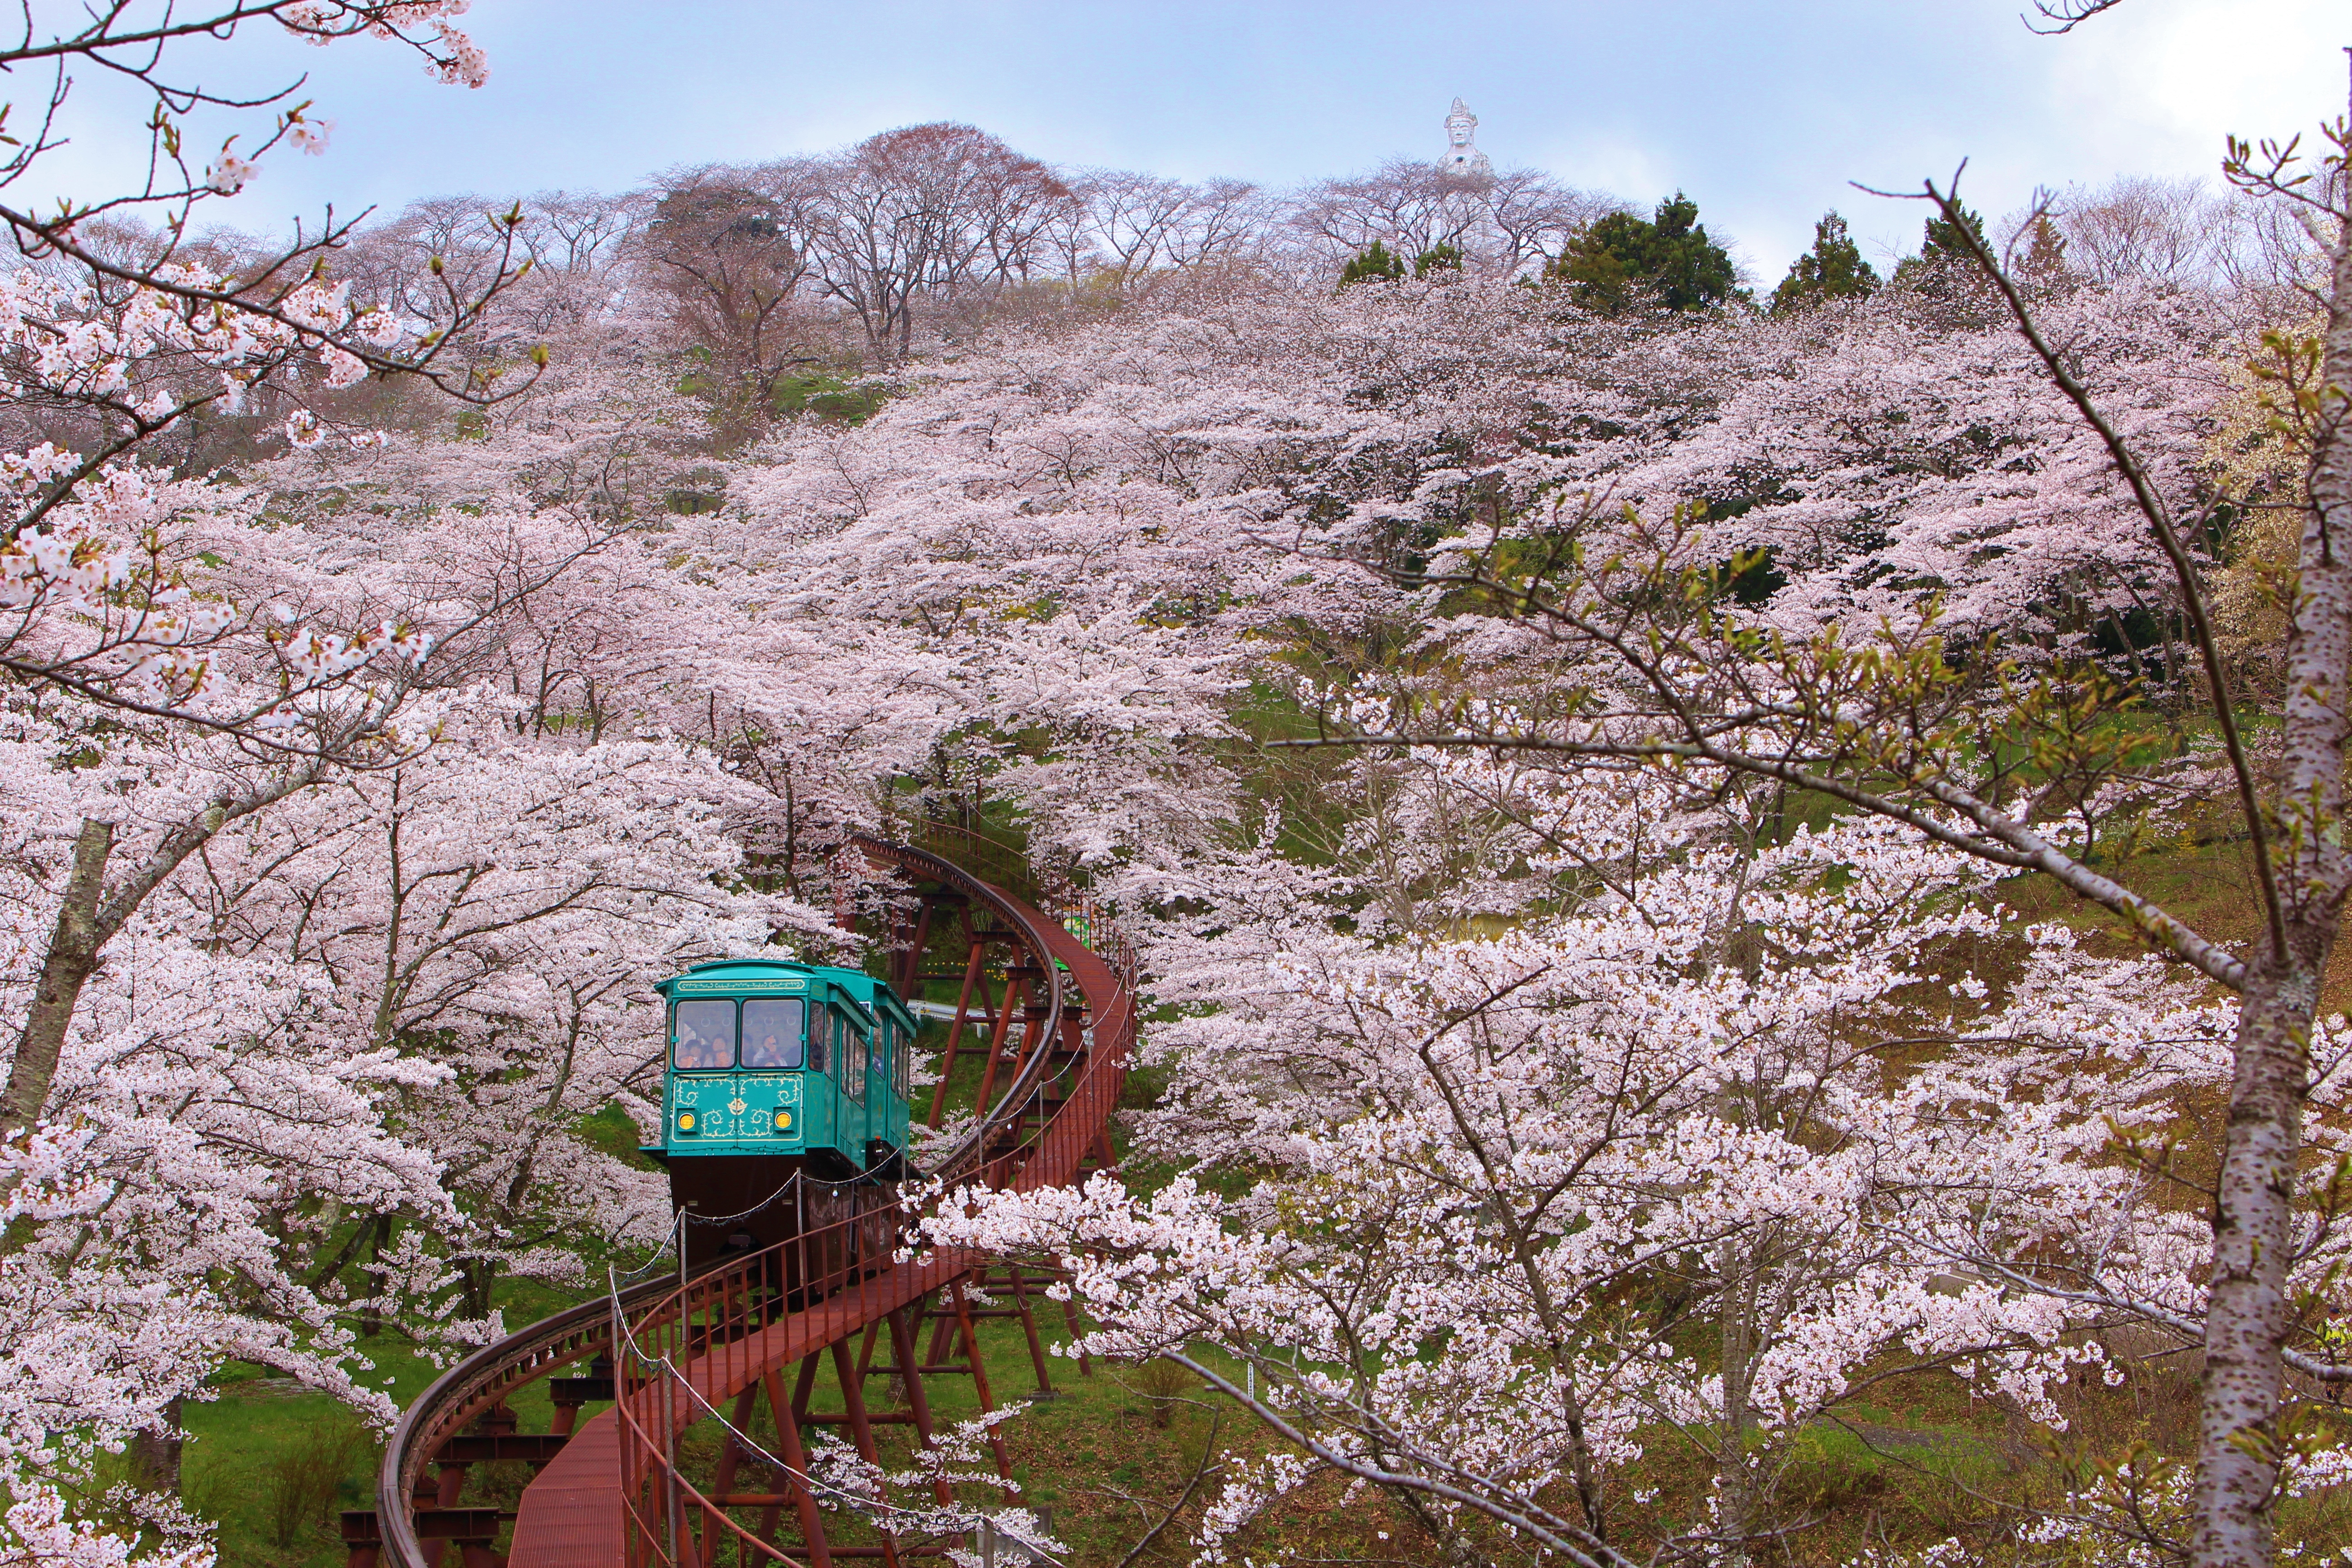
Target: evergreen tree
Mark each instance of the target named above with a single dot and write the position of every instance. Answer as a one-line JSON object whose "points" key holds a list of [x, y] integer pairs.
{"points": [[1439, 258], [1617, 260], [1378, 265], [1833, 269], [1943, 241], [1944, 258], [2044, 265]]}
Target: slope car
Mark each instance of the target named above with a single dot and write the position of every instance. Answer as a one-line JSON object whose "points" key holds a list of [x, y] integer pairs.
{"points": [[783, 1065]]}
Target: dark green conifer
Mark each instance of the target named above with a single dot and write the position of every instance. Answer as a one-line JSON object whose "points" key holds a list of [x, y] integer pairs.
{"points": [[2045, 264], [1378, 265], [1943, 241], [1439, 258], [1833, 269], [1944, 263], [1621, 258]]}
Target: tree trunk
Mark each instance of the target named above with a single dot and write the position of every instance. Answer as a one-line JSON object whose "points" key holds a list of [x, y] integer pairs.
{"points": [[1736, 1506], [89, 918], [2246, 1322], [72, 957], [2247, 1316], [155, 1453], [479, 1274], [371, 1317]]}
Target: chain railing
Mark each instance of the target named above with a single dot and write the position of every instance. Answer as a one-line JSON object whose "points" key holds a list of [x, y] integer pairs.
{"points": [[680, 1355], [475, 1386]]}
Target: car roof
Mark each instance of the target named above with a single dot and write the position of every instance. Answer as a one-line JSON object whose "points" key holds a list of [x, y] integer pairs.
{"points": [[866, 995]]}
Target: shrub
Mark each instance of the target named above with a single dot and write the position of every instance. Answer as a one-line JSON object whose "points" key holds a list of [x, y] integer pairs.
{"points": [[299, 1482], [1162, 1383]]}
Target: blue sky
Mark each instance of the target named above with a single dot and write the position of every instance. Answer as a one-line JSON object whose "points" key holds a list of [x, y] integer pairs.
{"points": [[1762, 112]]}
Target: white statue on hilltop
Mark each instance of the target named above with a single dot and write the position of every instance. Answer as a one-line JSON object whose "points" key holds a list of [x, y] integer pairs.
{"points": [[1462, 154]]}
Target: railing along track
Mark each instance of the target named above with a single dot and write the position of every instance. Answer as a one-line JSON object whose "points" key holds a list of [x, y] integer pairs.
{"points": [[739, 1317]]}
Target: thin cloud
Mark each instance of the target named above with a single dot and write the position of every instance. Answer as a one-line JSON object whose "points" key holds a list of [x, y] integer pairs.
{"points": [[1762, 113]]}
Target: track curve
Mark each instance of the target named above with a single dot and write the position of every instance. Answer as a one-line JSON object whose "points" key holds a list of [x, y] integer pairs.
{"points": [[579, 1511]]}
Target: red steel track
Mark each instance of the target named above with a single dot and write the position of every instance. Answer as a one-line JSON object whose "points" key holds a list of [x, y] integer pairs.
{"points": [[610, 1494]]}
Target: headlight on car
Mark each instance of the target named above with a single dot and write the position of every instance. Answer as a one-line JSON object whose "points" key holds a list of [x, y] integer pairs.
{"points": [[784, 1120], [686, 1121]]}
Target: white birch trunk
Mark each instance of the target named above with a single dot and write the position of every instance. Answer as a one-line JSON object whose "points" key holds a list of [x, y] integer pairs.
{"points": [[2249, 1315]]}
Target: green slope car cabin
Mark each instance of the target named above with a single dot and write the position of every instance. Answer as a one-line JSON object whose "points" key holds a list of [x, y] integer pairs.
{"points": [[771, 1067]]}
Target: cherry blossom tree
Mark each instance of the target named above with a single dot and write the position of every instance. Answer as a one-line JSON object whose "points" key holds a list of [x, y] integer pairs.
{"points": [[1507, 1172], [1570, 1099], [1894, 455], [198, 1121], [497, 908], [1889, 723], [171, 679], [923, 208]]}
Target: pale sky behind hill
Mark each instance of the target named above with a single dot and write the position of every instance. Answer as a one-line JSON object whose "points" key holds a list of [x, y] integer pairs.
{"points": [[1762, 112]]}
